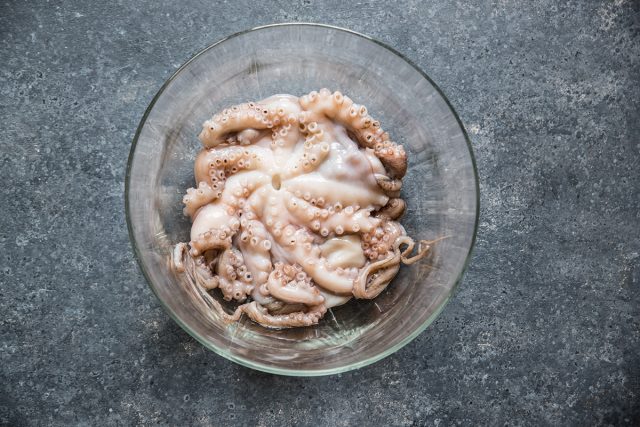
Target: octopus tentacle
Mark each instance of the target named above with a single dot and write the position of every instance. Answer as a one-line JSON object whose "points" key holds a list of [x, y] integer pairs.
{"points": [[393, 210], [212, 239], [334, 191], [343, 110], [177, 257], [234, 119], [366, 130], [202, 269], [391, 187], [215, 224], [198, 197], [336, 280], [239, 188], [283, 138], [362, 288], [332, 219], [196, 267], [235, 279], [216, 165], [315, 151], [275, 306], [289, 283], [393, 157], [261, 315], [424, 246], [285, 133], [379, 241], [379, 280], [282, 109], [376, 276], [255, 245]]}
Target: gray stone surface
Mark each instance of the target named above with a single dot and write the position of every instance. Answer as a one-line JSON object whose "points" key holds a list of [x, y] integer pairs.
{"points": [[545, 329]]}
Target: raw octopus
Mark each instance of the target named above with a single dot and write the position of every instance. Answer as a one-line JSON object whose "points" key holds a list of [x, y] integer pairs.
{"points": [[296, 208]]}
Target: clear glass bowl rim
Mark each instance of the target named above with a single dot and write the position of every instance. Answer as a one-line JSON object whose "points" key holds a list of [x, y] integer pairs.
{"points": [[241, 360]]}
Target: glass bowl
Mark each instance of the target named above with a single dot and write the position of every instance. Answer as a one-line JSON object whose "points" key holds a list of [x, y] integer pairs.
{"points": [[440, 188]]}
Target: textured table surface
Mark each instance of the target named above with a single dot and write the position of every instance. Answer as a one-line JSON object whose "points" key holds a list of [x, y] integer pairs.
{"points": [[545, 329]]}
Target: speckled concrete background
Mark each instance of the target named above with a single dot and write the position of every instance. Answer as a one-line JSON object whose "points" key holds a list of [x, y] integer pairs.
{"points": [[545, 329]]}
